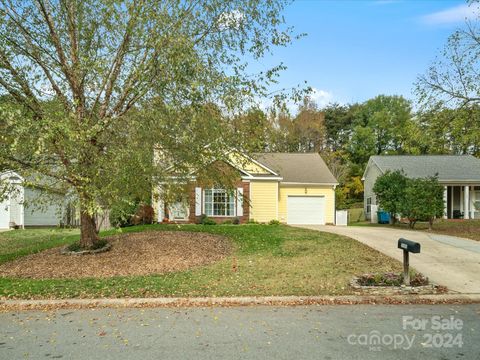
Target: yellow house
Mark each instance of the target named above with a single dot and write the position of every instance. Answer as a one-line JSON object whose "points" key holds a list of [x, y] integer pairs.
{"points": [[292, 188]]}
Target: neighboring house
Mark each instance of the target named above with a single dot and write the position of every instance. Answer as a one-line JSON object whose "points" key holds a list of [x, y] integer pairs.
{"points": [[459, 174], [26, 206], [290, 188]]}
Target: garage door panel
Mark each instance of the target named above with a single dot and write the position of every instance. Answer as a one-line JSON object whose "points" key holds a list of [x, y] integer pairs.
{"points": [[306, 210]]}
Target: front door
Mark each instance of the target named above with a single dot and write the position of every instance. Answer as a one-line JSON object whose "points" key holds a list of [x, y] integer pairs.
{"points": [[178, 211]]}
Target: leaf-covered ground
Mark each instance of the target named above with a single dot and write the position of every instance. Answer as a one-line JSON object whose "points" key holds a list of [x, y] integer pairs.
{"points": [[152, 252], [267, 260]]}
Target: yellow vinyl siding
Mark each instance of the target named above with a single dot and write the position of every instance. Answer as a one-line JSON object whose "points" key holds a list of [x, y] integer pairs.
{"points": [[306, 190], [245, 164], [263, 200]]}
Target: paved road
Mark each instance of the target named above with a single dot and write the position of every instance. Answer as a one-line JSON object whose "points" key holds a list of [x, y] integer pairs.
{"points": [[446, 260], [310, 332]]}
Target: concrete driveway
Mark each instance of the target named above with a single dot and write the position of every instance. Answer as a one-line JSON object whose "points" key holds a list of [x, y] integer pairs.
{"points": [[446, 260]]}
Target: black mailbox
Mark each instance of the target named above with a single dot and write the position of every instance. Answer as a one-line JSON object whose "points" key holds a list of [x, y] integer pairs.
{"points": [[408, 245]]}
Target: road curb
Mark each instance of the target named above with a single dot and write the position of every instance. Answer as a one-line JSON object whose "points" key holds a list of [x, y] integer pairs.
{"points": [[13, 305]]}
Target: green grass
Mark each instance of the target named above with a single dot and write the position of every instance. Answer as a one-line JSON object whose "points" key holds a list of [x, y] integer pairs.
{"points": [[270, 260], [16, 243], [469, 229]]}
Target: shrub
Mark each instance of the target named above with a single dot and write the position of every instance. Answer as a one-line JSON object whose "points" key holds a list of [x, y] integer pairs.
{"points": [[390, 190], [391, 279], [236, 221], [75, 247], [423, 201], [252, 221], [205, 220], [200, 219], [227, 222], [131, 213], [274, 222], [144, 215]]}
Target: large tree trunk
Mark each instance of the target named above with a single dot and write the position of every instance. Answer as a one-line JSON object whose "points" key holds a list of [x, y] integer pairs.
{"points": [[88, 230]]}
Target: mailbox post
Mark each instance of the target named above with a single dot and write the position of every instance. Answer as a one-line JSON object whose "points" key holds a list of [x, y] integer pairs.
{"points": [[408, 247]]}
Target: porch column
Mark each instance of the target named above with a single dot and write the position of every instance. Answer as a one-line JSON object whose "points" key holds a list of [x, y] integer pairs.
{"points": [[466, 202], [471, 202], [445, 202]]}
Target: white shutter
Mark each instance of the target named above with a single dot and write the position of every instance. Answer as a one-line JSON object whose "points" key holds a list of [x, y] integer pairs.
{"points": [[198, 201], [160, 205], [239, 201], [161, 210]]}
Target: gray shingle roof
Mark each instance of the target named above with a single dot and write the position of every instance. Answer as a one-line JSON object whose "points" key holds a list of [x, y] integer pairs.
{"points": [[448, 167], [299, 168]]}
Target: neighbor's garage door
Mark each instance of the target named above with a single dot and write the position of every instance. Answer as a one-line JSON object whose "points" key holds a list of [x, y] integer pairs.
{"points": [[306, 210]]}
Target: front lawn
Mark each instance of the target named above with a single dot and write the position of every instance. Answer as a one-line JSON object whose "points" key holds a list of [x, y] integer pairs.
{"points": [[267, 260], [469, 229]]}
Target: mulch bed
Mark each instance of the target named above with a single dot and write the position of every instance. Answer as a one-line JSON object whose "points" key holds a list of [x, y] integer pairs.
{"points": [[144, 253]]}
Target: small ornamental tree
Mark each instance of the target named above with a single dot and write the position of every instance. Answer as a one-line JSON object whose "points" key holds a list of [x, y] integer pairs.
{"points": [[390, 191], [423, 201]]}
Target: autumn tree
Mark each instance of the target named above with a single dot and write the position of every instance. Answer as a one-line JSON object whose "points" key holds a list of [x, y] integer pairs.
{"points": [[309, 127], [254, 129], [94, 85]]}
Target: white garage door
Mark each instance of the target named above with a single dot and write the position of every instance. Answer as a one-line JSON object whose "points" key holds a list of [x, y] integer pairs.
{"points": [[306, 210]]}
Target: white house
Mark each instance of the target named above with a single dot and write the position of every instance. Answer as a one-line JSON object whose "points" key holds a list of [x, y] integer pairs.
{"points": [[459, 175], [20, 206]]}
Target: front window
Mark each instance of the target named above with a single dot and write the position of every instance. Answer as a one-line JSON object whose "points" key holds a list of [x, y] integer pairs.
{"points": [[219, 202], [369, 205]]}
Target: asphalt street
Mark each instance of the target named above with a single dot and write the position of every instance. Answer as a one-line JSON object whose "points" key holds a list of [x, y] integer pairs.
{"points": [[261, 332]]}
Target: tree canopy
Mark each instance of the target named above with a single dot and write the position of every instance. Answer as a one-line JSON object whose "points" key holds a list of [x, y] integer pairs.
{"points": [[92, 86]]}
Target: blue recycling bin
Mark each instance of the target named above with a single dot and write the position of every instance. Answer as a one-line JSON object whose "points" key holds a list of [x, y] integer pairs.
{"points": [[383, 217]]}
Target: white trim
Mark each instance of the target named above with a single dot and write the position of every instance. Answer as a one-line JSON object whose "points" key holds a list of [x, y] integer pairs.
{"points": [[304, 183], [262, 178], [239, 202], [236, 167], [198, 201]]}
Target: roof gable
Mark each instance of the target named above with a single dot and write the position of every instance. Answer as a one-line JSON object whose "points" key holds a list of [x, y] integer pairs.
{"points": [[303, 168], [249, 165]]}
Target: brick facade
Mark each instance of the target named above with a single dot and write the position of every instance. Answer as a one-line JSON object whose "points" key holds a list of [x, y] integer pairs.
{"points": [[246, 205]]}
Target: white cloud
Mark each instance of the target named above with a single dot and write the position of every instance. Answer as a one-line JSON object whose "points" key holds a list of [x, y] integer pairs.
{"points": [[321, 97], [454, 15]]}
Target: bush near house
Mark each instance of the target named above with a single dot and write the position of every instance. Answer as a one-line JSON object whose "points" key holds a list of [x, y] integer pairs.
{"points": [[415, 199], [390, 190], [130, 213], [423, 201]]}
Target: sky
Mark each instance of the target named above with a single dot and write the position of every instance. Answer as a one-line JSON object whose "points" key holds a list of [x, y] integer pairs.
{"points": [[355, 50]]}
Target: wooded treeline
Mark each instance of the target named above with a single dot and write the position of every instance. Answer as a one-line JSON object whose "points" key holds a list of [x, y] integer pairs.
{"points": [[347, 135]]}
